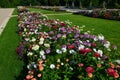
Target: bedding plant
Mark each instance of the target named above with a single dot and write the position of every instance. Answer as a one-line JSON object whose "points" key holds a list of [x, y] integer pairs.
{"points": [[55, 50]]}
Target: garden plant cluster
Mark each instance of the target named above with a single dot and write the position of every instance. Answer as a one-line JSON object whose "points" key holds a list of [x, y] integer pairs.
{"points": [[56, 50], [101, 13]]}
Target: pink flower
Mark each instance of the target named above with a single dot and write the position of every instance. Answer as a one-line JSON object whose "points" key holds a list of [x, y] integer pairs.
{"points": [[28, 77], [39, 75], [89, 69], [80, 64], [112, 72]]}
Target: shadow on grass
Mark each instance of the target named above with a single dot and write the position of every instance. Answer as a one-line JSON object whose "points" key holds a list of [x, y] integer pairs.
{"points": [[24, 72]]}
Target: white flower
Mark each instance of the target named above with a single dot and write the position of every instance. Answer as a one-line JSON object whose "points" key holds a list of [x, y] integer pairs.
{"points": [[58, 60], [35, 47], [81, 47], [94, 50], [43, 57], [27, 39], [52, 66], [71, 68], [41, 42], [101, 37], [42, 52], [59, 51], [95, 39], [100, 52], [117, 61], [62, 63], [107, 45], [47, 45], [72, 51], [41, 39], [25, 29], [33, 39], [28, 66], [29, 54], [64, 49], [35, 66]]}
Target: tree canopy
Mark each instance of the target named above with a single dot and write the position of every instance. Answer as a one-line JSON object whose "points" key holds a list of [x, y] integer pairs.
{"points": [[68, 3]]}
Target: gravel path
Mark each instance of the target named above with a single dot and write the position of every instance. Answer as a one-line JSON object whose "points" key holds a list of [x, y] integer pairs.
{"points": [[5, 14]]}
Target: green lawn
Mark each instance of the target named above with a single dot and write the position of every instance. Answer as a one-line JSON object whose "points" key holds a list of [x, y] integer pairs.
{"points": [[10, 65], [45, 11], [15, 12], [109, 28]]}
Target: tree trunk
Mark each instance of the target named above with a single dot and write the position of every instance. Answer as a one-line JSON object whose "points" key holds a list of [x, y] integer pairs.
{"points": [[90, 4], [104, 5], [73, 4], [80, 5]]}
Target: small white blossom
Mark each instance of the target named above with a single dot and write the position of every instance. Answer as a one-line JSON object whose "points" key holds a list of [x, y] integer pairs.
{"points": [[58, 60], [59, 51], [52, 66], [100, 52], [81, 47], [62, 63], [33, 39], [42, 39], [107, 45], [43, 57], [64, 49], [29, 54], [35, 47], [72, 51], [47, 45], [42, 52], [101, 37], [27, 39], [41, 42]]}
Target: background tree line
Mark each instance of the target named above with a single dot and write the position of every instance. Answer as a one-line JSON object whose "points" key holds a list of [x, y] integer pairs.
{"points": [[67, 3]]}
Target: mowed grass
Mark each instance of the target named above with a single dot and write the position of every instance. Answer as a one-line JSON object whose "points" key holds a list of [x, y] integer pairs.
{"points": [[45, 11], [109, 28], [10, 65]]}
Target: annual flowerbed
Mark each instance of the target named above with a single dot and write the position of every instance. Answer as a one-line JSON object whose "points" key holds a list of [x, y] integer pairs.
{"points": [[106, 14], [55, 50]]}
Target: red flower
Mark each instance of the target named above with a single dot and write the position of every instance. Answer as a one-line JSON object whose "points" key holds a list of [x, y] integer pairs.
{"points": [[62, 24], [70, 46], [84, 51], [88, 50], [112, 72], [89, 69], [96, 55], [55, 27], [93, 44]]}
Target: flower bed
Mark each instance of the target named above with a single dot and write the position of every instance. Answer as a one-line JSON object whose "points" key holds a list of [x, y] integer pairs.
{"points": [[106, 14], [54, 50]]}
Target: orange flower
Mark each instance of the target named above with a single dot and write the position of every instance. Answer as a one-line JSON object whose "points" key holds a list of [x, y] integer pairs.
{"points": [[33, 79], [112, 65], [40, 61], [90, 75], [41, 68], [98, 65], [39, 75]]}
